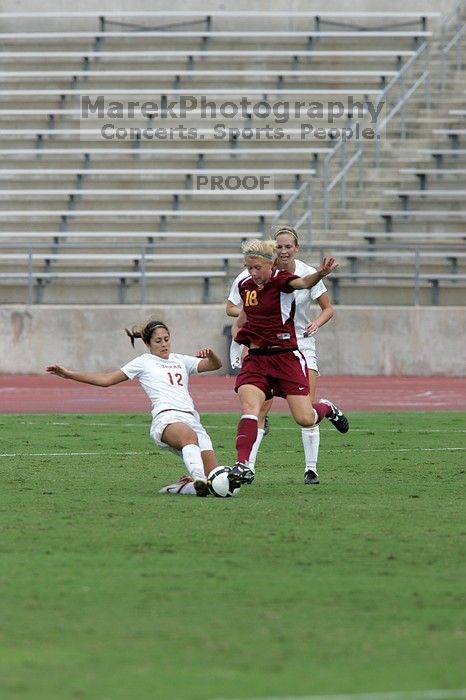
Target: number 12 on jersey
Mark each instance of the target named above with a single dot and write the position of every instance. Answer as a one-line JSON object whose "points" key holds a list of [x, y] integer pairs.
{"points": [[178, 379]]}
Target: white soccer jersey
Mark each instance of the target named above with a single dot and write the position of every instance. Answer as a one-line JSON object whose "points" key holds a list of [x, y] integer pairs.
{"points": [[303, 299], [164, 381]]}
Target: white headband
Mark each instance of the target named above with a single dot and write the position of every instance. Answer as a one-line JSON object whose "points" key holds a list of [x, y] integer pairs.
{"points": [[259, 255]]}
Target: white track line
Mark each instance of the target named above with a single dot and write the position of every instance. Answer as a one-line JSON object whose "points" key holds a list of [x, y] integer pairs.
{"points": [[391, 449], [73, 454], [398, 695], [221, 426], [116, 453]]}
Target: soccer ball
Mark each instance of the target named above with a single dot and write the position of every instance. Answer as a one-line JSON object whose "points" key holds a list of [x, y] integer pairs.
{"points": [[219, 485]]}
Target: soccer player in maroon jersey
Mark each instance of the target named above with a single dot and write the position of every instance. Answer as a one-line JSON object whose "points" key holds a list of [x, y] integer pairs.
{"points": [[273, 366]]}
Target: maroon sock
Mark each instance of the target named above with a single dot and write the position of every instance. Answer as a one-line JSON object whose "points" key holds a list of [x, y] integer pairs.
{"points": [[246, 435], [322, 410]]}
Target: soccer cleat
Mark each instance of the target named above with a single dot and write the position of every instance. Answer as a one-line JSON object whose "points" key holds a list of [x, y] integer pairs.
{"points": [[241, 474], [179, 487], [339, 420], [201, 488], [172, 488], [311, 477], [266, 426]]}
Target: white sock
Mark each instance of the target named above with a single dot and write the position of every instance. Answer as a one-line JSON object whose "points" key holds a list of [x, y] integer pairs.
{"points": [[311, 442], [255, 450], [193, 460]]}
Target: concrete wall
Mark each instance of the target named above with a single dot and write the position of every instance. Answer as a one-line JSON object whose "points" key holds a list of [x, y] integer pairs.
{"points": [[359, 340], [103, 6]]}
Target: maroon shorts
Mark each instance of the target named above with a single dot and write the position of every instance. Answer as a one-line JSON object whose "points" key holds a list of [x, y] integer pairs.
{"points": [[276, 375]]}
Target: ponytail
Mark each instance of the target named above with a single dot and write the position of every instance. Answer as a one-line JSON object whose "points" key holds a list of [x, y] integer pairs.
{"points": [[145, 332]]}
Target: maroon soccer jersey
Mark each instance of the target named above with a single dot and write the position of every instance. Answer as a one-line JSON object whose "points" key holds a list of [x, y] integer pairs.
{"points": [[269, 311]]}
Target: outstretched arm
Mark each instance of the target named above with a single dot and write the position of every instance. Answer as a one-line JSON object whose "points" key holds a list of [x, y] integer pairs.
{"points": [[209, 361], [97, 378], [327, 266]]}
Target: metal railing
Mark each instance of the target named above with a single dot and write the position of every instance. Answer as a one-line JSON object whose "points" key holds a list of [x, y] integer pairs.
{"points": [[405, 84], [455, 15], [354, 152], [445, 50], [379, 265], [417, 22], [40, 264], [104, 23], [401, 108], [415, 73], [346, 163], [302, 197]]}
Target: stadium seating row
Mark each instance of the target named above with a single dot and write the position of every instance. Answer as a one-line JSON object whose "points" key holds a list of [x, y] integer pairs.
{"points": [[44, 72]]}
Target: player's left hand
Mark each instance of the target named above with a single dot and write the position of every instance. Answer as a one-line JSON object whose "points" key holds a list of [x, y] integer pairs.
{"points": [[327, 266], [204, 352], [310, 329]]}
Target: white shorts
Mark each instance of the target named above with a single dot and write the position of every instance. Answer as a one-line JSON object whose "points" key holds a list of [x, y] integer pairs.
{"points": [[163, 419], [310, 357], [236, 351]]}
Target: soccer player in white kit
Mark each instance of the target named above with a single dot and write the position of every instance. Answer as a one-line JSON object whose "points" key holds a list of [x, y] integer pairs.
{"points": [[164, 377], [287, 247]]}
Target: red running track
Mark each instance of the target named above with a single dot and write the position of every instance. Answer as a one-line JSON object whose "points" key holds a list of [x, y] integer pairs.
{"points": [[50, 394]]}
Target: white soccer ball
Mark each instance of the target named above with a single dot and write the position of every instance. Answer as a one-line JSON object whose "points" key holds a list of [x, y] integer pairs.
{"points": [[219, 485]]}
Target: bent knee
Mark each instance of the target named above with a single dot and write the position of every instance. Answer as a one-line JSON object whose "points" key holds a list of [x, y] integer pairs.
{"points": [[305, 421], [190, 440]]}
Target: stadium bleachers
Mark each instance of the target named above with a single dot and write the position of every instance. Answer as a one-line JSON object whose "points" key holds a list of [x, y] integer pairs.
{"points": [[63, 184]]}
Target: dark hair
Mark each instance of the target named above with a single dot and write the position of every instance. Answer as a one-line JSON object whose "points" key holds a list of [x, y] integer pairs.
{"points": [[145, 332], [287, 229]]}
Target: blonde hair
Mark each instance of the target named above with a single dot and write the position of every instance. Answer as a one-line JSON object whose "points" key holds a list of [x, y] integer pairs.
{"points": [[261, 248], [145, 332]]}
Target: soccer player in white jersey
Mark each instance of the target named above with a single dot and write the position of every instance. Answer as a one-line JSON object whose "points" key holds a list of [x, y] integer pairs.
{"points": [[287, 245], [164, 377]]}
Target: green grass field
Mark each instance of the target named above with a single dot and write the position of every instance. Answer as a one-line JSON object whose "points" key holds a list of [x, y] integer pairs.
{"points": [[112, 592]]}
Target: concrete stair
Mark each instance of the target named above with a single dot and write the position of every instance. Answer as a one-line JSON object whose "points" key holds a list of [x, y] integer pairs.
{"points": [[396, 153]]}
